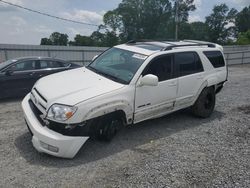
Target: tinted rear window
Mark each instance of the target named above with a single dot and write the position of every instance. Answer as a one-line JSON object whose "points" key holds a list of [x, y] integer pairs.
{"points": [[216, 58]]}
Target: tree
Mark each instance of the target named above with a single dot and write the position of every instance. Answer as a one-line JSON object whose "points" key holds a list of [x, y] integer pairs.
{"points": [[80, 40], [46, 41], [244, 38], [56, 38], [148, 19], [199, 31], [243, 20], [221, 23], [59, 39]]}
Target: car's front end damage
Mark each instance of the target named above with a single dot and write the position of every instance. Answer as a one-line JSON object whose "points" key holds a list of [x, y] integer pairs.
{"points": [[59, 112], [44, 138]]}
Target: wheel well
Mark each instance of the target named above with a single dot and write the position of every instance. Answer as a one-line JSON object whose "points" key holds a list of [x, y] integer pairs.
{"points": [[120, 114], [95, 123]]}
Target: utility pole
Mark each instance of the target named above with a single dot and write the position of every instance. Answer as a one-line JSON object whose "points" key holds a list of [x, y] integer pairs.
{"points": [[176, 18]]}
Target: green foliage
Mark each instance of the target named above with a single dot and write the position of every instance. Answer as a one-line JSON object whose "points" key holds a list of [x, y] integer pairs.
{"points": [[80, 40], [146, 19], [56, 38], [97, 38], [221, 23], [244, 38], [243, 20], [46, 41], [157, 19], [199, 31]]}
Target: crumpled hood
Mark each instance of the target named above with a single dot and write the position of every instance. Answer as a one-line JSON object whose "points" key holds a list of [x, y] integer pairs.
{"points": [[74, 86]]}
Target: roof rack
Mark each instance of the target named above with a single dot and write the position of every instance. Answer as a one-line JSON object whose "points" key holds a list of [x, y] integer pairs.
{"points": [[151, 40], [196, 43], [140, 40], [210, 45]]}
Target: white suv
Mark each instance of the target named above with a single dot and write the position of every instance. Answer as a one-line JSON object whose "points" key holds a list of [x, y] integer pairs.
{"points": [[126, 84]]}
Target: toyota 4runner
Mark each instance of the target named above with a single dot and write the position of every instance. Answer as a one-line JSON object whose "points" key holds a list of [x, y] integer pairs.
{"points": [[126, 84]]}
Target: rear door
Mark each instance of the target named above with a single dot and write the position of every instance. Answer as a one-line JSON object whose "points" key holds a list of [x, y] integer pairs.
{"points": [[47, 67], [190, 75], [155, 101]]}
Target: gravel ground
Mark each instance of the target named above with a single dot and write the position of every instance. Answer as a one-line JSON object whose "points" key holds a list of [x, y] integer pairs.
{"points": [[178, 150]]}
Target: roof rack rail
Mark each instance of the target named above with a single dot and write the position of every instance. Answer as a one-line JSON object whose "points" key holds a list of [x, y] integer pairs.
{"points": [[140, 40], [151, 40], [196, 41], [210, 45]]}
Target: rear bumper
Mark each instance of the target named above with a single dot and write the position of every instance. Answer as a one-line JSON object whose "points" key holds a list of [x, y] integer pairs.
{"points": [[49, 141]]}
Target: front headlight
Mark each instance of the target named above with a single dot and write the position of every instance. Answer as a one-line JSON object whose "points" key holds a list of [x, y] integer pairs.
{"points": [[61, 112]]}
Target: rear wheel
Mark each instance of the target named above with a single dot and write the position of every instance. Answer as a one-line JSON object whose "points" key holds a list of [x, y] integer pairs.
{"points": [[204, 105]]}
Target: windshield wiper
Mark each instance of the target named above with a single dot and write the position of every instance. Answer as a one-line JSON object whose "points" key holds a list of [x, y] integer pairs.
{"points": [[111, 77]]}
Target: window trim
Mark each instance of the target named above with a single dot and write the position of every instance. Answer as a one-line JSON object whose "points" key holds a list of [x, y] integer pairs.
{"points": [[157, 57], [21, 71], [52, 68]]}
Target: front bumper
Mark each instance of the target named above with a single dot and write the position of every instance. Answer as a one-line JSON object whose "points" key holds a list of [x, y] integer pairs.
{"points": [[49, 141]]}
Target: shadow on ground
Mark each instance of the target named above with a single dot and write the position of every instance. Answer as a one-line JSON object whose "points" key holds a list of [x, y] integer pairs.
{"points": [[11, 100], [128, 138]]}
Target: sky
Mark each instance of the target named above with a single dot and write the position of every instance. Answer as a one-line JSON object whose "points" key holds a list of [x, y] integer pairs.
{"points": [[18, 26]]}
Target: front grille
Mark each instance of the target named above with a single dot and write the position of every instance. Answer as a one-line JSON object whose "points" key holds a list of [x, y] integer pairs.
{"points": [[40, 95], [37, 112], [38, 100]]}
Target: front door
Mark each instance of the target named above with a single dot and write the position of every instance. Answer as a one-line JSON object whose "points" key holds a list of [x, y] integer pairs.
{"points": [[155, 101], [19, 79]]}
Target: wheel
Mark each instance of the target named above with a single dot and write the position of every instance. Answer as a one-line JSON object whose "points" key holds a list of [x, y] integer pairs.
{"points": [[109, 127], [204, 105]]}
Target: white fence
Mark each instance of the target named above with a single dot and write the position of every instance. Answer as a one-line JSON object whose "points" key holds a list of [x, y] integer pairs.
{"points": [[237, 54], [80, 55], [83, 54]]}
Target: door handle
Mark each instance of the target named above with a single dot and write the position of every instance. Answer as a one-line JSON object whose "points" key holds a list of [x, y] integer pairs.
{"points": [[32, 73]]}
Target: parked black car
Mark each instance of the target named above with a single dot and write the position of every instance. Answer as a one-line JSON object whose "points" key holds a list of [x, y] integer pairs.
{"points": [[17, 76]]}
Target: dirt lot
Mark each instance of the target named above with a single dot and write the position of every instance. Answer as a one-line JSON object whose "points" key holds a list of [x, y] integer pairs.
{"points": [[178, 150]]}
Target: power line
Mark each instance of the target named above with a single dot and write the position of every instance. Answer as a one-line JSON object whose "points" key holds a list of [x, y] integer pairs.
{"points": [[49, 15]]}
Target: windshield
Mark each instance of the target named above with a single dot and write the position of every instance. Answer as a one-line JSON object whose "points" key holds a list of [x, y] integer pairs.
{"points": [[117, 64], [5, 63]]}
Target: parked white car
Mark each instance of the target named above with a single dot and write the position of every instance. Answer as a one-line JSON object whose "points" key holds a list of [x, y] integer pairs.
{"points": [[126, 84]]}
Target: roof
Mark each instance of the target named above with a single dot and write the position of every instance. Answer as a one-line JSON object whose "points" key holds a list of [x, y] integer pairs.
{"points": [[35, 57], [150, 47]]}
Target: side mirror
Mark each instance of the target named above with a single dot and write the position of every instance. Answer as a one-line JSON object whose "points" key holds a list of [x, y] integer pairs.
{"points": [[94, 57], [149, 80]]}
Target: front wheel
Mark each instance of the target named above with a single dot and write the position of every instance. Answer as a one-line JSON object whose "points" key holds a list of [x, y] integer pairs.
{"points": [[109, 128], [204, 105]]}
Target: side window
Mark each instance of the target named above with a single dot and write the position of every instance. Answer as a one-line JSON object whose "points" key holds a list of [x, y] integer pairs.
{"points": [[65, 64], [24, 66], [44, 64], [216, 58], [50, 64], [56, 64], [160, 67], [188, 63]]}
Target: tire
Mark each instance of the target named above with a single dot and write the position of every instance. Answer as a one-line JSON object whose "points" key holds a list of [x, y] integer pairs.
{"points": [[204, 105], [109, 128]]}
